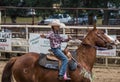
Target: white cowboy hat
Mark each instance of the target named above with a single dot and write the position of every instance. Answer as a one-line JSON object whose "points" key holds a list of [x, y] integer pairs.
{"points": [[57, 22]]}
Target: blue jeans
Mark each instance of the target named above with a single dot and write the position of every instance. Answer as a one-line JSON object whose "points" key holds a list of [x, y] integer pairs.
{"points": [[58, 52]]}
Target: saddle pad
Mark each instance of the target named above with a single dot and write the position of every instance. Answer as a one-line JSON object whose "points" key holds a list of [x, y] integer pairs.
{"points": [[44, 62], [53, 64]]}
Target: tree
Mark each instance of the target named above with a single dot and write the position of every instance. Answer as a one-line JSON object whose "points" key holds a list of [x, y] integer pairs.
{"points": [[100, 4], [13, 13], [103, 4], [67, 3]]}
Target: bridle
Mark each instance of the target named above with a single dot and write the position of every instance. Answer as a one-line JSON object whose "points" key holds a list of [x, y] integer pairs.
{"points": [[106, 43], [96, 47], [98, 35]]}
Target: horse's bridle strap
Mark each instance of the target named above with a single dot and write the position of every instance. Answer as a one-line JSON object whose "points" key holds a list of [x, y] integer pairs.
{"points": [[89, 45], [96, 47], [101, 38]]}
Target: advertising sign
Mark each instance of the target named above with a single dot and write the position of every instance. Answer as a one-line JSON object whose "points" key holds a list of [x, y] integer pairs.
{"points": [[41, 45], [111, 52], [5, 41]]}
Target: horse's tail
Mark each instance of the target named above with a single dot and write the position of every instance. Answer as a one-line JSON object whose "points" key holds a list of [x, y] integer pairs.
{"points": [[7, 71]]}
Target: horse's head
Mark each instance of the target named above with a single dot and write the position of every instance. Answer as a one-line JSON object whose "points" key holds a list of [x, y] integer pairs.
{"points": [[99, 38]]}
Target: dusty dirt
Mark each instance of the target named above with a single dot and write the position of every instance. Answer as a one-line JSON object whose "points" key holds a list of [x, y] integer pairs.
{"points": [[100, 74], [106, 74]]}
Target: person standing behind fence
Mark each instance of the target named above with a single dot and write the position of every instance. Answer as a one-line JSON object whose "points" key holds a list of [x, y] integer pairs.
{"points": [[95, 19], [55, 44]]}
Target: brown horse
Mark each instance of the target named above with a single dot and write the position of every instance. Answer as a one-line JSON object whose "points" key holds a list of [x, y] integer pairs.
{"points": [[26, 68]]}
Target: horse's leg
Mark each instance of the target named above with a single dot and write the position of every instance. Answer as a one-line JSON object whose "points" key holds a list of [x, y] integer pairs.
{"points": [[7, 71]]}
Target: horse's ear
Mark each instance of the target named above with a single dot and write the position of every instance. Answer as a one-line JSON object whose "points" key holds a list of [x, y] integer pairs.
{"points": [[94, 25]]}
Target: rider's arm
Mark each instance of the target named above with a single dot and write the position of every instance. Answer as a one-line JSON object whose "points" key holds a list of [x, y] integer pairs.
{"points": [[65, 40], [48, 36]]}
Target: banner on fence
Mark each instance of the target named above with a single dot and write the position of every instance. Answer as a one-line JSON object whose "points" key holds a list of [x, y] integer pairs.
{"points": [[41, 45], [5, 41], [110, 52]]}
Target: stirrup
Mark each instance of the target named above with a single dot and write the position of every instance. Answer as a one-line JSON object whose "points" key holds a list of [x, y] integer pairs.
{"points": [[63, 78]]}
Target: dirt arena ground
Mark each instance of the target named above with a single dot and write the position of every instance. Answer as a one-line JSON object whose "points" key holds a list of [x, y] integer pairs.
{"points": [[100, 74]]}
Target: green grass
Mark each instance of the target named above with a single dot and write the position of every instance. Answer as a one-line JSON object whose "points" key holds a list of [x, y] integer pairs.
{"points": [[28, 20], [23, 20]]}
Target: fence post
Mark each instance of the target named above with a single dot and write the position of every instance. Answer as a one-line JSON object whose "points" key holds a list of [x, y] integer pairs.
{"points": [[63, 30], [27, 38], [0, 18], [106, 61], [106, 31], [0, 26]]}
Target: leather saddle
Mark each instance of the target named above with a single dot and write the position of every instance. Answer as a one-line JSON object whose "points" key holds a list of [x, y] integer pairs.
{"points": [[54, 58], [50, 61]]}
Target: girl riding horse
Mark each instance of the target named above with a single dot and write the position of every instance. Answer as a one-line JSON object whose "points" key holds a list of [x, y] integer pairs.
{"points": [[55, 44]]}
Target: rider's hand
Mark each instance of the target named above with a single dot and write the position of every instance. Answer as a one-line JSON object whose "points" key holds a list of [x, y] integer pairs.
{"points": [[69, 37], [42, 36]]}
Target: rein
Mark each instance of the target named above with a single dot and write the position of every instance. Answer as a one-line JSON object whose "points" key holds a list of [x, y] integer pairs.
{"points": [[96, 47], [84, 44]]}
